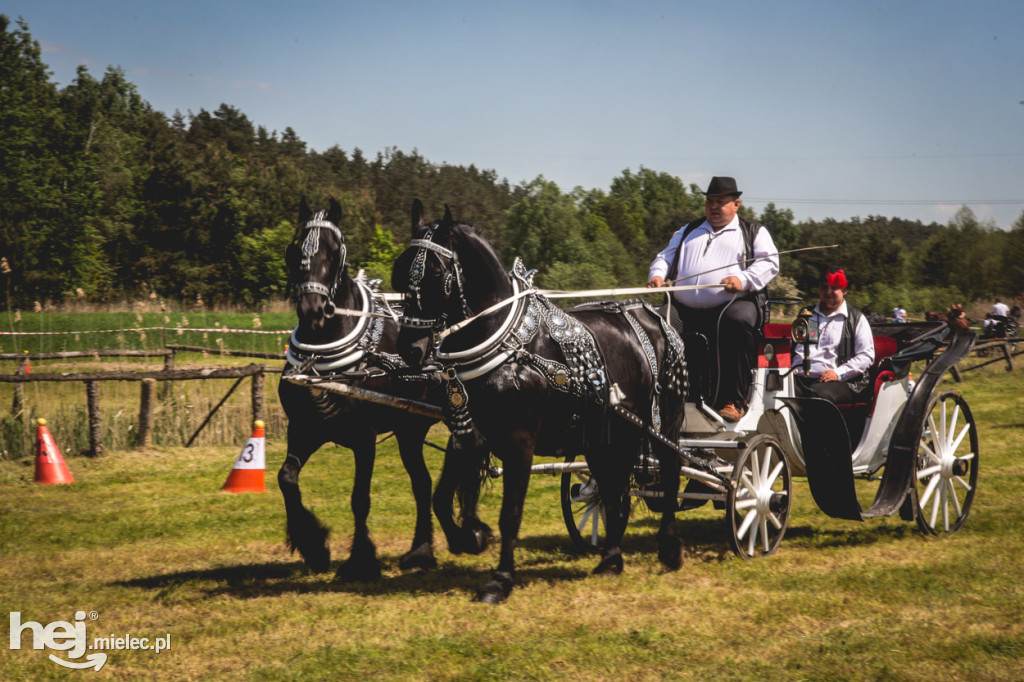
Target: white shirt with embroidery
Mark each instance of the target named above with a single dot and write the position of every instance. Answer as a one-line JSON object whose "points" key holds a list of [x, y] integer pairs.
{"points": [[712, 256]]}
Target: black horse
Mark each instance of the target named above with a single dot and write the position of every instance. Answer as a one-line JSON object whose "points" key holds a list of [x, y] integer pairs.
{"points": [[344, 327], [525, 377]]}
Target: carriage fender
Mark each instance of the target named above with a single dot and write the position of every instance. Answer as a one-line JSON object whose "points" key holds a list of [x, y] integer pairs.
{"points": [[827, 455]]}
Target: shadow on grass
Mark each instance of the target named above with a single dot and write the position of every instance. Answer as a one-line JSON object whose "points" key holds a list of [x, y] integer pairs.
{"points": [[543, 559], [866, 534], [249, 581]]}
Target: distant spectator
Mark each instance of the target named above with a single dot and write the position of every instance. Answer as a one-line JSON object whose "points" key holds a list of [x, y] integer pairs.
{"points": [[899, 314], [957, 317], [1000, 308]]}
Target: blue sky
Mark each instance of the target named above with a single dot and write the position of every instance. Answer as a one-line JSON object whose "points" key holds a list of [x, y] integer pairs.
{"points": [[832, 109]]}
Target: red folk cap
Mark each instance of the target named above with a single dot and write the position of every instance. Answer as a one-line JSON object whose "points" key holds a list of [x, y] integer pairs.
{"points": [[836, 280]]}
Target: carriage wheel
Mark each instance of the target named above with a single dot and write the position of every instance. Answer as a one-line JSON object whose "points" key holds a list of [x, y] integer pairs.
{"points": [[758, 501], [582, 509], [947, 464]]}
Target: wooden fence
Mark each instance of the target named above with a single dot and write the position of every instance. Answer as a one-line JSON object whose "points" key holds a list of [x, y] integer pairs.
{"points": [[148, 380]]}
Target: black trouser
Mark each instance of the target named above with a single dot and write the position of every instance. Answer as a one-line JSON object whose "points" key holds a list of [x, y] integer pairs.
{"points": [[731, 331], [837, 391]]}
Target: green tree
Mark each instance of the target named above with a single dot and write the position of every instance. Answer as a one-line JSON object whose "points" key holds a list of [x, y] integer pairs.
{"points": [[105, 155], [1012, 267], [263, 274], [30, 197], [380, 256]]}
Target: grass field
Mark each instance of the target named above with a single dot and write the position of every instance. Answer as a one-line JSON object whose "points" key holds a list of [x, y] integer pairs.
{"points": [[147, 541]]}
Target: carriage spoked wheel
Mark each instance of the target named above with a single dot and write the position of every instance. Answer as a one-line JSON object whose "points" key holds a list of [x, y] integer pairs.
{"points": [[582, 509], [758, 502], [947, 464]]}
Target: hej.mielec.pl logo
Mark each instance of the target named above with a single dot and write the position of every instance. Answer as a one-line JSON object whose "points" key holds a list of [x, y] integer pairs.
{"points": [[71, 637]]}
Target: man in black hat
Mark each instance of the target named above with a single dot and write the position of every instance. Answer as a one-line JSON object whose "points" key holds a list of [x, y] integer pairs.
{"points": [[736, 258]]}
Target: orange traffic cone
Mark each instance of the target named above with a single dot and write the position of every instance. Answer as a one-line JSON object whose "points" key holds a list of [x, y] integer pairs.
{"points": [[50, 465], [247, 475]]}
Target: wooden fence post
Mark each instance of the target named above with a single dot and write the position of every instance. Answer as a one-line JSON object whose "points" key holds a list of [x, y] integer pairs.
{"points": [[92, 392], [258, 380], [168, 366], [18, 404], [146, 403]]}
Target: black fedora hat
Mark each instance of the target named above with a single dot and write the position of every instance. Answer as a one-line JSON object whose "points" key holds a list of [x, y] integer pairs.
{"points": [[722, 186]]}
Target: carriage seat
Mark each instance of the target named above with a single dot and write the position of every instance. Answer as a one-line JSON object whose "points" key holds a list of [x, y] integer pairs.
{"points": [[879, 372], [777, 335]]}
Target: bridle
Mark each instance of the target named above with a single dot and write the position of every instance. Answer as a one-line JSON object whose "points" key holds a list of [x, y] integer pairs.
{"points": [[309, 248], [452, 279]]}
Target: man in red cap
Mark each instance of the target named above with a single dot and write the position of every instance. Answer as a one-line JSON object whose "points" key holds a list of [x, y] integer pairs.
{"points": [[845, 349]]}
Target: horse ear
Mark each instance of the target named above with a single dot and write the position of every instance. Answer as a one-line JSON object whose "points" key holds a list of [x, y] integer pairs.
{"points": [[304, 211], [417, 215], [291, 257], [334, 214], [443, 235]]}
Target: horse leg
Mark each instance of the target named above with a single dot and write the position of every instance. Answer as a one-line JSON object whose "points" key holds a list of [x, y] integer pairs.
{"points": [[410, 446], [461, 476], [305, 532], [612, 472], [362, 564], [516, 478], [670, 545]]}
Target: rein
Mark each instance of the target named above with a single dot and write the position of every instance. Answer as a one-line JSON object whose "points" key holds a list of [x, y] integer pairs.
{"points": [[554, 293]]}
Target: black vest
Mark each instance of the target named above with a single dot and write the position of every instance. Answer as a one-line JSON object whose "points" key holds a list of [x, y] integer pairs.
{"points": [[847, 347]]}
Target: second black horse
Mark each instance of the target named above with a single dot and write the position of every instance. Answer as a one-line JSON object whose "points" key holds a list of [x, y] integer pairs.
{"points": [[523, 377]]}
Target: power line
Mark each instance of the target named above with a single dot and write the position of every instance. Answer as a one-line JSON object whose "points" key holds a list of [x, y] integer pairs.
{"points": [[888, 202]]}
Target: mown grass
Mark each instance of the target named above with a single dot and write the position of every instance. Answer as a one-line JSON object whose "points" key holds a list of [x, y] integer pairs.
{"points": [[147, 540], [49, 332]]}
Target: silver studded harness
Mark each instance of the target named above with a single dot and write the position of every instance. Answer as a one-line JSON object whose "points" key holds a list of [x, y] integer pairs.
{"points": [[583, 373]]}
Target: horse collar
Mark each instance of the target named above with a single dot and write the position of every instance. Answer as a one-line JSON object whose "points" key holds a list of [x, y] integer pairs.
{"points": [[346, 352]]}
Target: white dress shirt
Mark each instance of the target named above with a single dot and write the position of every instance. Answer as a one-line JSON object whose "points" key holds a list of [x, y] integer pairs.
{"points": [[830, 332], [712, 256]]}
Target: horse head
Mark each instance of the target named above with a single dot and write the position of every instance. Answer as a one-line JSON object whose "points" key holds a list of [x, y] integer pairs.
{"points": [[448, 273], [316, 263]]}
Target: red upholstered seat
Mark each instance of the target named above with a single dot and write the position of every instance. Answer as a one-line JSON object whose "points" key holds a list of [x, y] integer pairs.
{"points": [[776, 334], [884, 347], [777, 330]]}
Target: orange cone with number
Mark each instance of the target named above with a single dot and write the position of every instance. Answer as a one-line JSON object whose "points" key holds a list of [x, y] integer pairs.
{"points": [[247, 476], [50, 466]]}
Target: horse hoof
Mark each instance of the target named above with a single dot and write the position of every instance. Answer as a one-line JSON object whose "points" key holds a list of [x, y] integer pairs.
{"points": [[421, 559], [359, 572], [481, 539], [310, 540], [496, 590], [318, 560], [672, 557], [610, 565], [471, 540], [490, 597]]}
